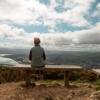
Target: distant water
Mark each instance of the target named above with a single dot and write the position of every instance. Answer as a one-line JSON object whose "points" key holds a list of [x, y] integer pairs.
{"points": [[7, 61]]}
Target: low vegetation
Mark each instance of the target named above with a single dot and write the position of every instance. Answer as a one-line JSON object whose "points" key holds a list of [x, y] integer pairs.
{"points": [[11, 74]]}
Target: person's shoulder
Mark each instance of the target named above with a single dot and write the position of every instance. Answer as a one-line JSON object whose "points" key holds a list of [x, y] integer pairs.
{"points": [[42, 48], [32, 48]]}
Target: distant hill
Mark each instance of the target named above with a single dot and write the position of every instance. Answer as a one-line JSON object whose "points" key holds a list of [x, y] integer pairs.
{"points": [[87, 59], [13, 51]]}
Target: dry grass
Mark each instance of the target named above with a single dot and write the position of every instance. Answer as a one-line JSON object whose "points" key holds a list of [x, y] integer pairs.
{"points": [[47, 91]]}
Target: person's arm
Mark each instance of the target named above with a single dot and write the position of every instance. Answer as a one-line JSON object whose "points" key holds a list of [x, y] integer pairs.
{"points": [[44, 56], [30, 55]]}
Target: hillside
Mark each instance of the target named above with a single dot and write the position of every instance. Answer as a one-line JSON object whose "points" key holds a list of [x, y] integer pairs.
{"points": [[85, 85], [77, 91]]}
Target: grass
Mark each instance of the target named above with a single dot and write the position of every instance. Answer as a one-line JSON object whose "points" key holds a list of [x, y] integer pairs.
{"points": [[49, 82], [11, 74], [61, 82], [97, 83], [82, 81]]}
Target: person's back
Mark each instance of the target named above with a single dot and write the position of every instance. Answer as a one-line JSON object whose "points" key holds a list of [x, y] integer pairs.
{"points": [[37, 55]]}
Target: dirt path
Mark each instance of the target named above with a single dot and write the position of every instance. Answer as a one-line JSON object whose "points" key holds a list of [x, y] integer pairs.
{"points": [[13, 91]]}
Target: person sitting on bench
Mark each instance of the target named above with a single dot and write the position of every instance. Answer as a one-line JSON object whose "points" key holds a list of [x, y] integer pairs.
{"points": [[37, 57]]}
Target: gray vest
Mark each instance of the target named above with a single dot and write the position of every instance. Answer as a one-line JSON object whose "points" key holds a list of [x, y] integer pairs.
{"points": [[37, 57]]}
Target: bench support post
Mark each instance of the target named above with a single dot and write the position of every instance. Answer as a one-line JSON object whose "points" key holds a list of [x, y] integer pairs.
{"points": [[66, 78], [27, 78]]}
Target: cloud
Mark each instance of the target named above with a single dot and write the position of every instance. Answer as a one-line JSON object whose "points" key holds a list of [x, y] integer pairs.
{"points": [[16, 37], [9, 31], [97, 12], [98, 6], [29, 11], [57, 39], [20, 11], [33, 12], [89, 36], [12, 36], [74, 13]]}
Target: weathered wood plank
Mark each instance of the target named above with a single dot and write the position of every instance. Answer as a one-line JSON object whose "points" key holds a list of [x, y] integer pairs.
{"points": [[49, 67], [96, 71]]}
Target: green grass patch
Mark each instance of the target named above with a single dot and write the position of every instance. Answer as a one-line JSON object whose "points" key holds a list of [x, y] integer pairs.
{"points": [[97, 82]]}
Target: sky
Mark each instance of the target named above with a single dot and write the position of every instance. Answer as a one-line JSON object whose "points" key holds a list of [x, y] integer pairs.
{"points": [[57, 23]]}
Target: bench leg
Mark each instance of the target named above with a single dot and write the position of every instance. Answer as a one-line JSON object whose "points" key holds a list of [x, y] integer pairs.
{"points": [[66, 78], [27, 78]]}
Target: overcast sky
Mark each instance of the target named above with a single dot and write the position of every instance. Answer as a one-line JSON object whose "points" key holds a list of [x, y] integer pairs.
{"points": [[56, 22]]}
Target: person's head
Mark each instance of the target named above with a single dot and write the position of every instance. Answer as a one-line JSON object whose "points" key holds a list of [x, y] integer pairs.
{"points": [[36, 41]]}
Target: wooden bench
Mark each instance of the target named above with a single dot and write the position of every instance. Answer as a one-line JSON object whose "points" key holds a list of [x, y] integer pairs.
{"points": [[66, 69], [61, 68], [96, 71]]}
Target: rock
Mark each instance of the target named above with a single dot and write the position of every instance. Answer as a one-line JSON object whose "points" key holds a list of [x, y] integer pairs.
{"points": [[42, 85], [59, 98], [48, 98], [95, 96], [29, 85]]}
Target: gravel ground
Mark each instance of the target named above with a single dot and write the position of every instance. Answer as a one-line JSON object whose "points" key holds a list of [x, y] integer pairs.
{"points": [[80, 91]]}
